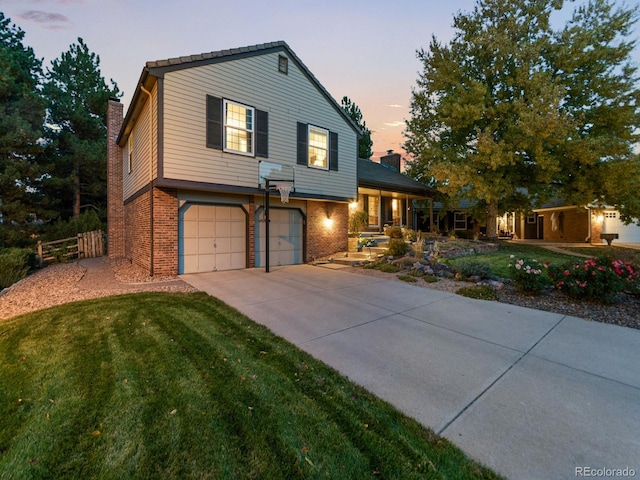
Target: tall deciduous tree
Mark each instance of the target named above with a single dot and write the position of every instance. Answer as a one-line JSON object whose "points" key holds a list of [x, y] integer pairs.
{"points": [[511, 112], [21, 120], [365, 143], [77, 96]]}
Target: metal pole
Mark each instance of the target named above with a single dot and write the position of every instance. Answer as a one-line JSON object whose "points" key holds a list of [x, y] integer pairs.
{"points": [[266, 226]]}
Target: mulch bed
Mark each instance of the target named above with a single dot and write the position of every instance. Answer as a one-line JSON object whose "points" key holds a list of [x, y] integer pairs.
{"points": [[625, 311]]}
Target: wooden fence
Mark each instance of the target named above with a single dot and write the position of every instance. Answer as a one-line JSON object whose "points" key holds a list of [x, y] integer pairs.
{"points": [[84, 245]]}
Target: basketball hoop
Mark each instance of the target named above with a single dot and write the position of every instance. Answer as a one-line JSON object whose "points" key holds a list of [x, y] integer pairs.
{"points": [[284, 189]]}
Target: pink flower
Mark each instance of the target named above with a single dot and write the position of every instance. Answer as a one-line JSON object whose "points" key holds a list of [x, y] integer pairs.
{"points": [[567, 273]]}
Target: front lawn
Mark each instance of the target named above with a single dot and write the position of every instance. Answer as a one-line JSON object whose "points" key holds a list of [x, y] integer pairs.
{"points": [[159, 385], [500, 260]]}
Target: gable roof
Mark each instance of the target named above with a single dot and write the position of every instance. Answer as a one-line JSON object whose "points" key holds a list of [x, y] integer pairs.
{"points": [[380, 176], [157, 69]]}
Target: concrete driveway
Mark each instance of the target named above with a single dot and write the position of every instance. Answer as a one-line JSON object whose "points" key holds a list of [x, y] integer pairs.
{"points": [[531, 394]]}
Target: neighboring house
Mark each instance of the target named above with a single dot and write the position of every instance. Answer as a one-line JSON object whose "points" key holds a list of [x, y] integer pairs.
{"points": [[556, 222], [387, 195], [553, 222], [456, 220], [186, 163]]}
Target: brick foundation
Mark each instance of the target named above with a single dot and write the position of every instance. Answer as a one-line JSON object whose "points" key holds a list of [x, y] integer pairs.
{"points": [[165, 232], [138, 232], [324, 240]]}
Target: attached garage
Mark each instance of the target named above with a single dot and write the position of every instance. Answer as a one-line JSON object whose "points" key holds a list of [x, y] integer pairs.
{"points": [[626, 233], [285, 237], [212, 238]]}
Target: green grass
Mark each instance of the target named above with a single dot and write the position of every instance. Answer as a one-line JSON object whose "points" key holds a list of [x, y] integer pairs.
{"points": [[160, 385], [498, 261]]}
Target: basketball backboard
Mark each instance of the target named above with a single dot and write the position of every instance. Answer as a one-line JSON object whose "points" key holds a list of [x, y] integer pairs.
{"points": [[275, 172]]}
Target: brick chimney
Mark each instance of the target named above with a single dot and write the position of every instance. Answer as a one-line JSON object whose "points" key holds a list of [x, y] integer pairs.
{"points": [[115, 200], [392, 160]]}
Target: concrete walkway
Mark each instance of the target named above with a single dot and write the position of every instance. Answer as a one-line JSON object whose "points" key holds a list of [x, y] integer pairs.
{"points": [[531, 394]]}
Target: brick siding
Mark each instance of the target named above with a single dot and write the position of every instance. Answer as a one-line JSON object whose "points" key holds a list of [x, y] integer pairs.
{"points": [[115, 207], [570, 225], [322, 240], [138, 231], [165, 232]]}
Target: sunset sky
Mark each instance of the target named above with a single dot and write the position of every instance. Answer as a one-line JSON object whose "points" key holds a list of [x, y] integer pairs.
{"points": [[364, 49]]}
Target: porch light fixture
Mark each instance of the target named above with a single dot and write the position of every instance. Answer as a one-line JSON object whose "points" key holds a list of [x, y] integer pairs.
{"points": [[328, 222]]}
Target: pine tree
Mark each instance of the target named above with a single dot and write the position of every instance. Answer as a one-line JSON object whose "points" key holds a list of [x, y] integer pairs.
{"points": [[365, 143], [77, 96], [21, 120]]}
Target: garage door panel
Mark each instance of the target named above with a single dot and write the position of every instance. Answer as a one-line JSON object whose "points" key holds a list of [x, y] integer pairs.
{"points": [[285, 238], [209, 233], [238, 260]]}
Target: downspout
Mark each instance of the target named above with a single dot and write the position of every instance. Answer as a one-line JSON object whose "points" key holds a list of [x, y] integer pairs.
{"points": [[148, 93]]}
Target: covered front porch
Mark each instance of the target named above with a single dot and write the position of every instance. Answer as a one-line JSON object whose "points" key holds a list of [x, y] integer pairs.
{"points": [[388, 197]]}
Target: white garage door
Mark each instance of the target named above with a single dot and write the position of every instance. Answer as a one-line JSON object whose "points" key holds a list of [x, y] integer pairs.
{"points": [[212, 238], [285, 237], [626, 233]]}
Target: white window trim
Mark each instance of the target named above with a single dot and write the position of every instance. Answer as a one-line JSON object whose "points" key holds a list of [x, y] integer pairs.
{"points": [[252, 153], [456, 220], [531, 219], [309, 164]]}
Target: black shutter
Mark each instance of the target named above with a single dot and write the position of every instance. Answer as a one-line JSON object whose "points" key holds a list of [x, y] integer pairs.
{"points": [[262, 134], [214, 122], [333, 151], [303, 144]]}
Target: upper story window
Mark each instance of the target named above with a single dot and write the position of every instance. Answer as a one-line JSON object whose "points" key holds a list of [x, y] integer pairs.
{"points": [[238, 128], [318, 148]]}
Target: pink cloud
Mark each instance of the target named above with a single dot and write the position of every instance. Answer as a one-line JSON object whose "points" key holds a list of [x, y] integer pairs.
{"points": [[52, 21]]}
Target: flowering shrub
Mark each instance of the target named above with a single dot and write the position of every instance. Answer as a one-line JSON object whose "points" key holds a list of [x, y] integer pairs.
{"points": [[528, 275], [600, 279]]}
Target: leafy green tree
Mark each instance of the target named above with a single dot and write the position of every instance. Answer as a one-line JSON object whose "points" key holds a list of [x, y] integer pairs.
{"points": [[365, 143], [77, 96], [511, 112], [21, 120]]}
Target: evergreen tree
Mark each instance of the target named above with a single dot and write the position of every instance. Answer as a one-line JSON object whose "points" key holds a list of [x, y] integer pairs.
{"points": [[365, 143], [21, 119], [77, 96], [511, 113]]}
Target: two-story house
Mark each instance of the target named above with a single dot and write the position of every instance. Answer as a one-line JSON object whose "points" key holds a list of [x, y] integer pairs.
{"points": [[188, 164]]}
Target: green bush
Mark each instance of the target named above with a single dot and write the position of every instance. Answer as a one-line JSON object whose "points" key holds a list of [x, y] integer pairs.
{"points": [[409, 234], [481, 292], [528, 275], [397, 246], [385, 267], [394, 232], [598, 280], [15, 264], [408, 278], [429, 278], [470, 268], [88, 221], [388, 268], [357, 221]]}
